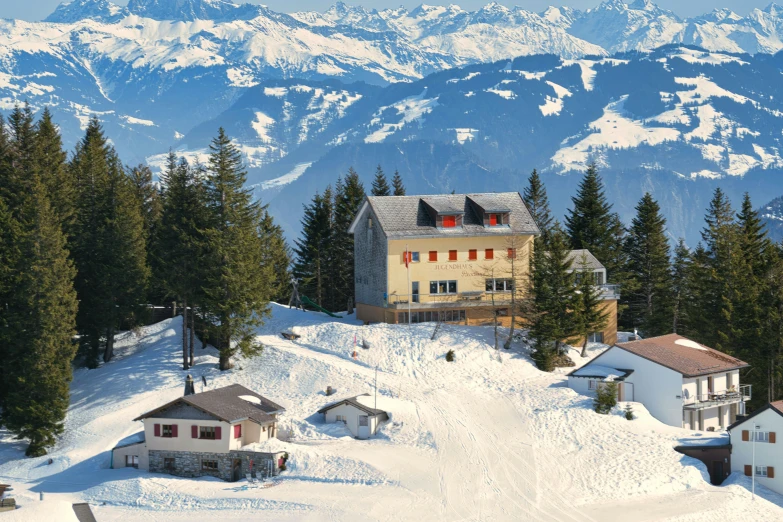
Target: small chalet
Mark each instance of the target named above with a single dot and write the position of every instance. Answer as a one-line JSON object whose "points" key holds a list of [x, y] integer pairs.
{"points": [[356, 413], [681, 383], [758, 433], [203, 434]]}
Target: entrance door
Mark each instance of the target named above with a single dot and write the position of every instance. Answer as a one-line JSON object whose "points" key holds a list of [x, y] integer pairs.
{"points": [[364, 427], [414, 291], [236, 469], [716, 477]]}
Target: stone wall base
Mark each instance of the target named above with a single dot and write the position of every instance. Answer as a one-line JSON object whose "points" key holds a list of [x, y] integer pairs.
{"points": [[190, 464]]}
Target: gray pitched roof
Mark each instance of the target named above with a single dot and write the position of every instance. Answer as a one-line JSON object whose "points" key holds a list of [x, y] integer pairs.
{"points": [[355, 403], [576, 259], [407, 216], [225, 404]]}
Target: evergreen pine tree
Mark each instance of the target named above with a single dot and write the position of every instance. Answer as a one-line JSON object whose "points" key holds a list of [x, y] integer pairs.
{"points": [[553, 299], [399, 188], [276, 254], [592, 225], [53, 167], [380, 187], [108, 246], [41, 314], [180, 239], [313, 249], [679, 287], [647, 289], [237, 287], [347, 201], [537, 202]]}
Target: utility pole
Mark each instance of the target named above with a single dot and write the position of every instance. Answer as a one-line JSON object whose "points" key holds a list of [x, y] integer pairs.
{"points": [[753, 471]]}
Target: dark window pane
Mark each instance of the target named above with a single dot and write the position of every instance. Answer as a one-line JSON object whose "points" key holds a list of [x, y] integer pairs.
{"points": [[433, 287], [452, 287]]}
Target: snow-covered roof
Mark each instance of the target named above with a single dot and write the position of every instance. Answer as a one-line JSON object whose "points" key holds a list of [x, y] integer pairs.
{"points": [[356, 402], [130, 440], [596, 371]]}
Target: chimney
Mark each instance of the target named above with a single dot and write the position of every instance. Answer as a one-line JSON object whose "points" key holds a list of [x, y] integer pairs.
{"points": [[189, 388]]}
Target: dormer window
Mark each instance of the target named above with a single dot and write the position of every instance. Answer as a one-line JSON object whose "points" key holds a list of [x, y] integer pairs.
{"points": [[496, 219], [449, 221]]}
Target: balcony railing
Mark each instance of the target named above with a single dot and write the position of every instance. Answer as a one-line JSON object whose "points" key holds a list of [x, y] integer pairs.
{"points": [[470, 298], [709, 400], [609, 291]]}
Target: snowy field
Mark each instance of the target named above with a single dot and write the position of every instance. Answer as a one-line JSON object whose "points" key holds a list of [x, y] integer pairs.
{"points": [[487, 437]]}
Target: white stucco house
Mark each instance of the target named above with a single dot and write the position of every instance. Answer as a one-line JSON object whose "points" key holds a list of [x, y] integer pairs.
{"points": [[759, 429], [209, 433], [357, 414], [681, 383]]}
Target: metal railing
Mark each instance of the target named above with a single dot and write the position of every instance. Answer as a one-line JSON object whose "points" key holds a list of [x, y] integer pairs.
{"points": [[460, 298], [610, 291], [730, 396]]}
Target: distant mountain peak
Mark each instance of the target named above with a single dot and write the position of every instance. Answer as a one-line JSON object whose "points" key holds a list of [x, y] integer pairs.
{"points": [[193, 9], [76, 10]]}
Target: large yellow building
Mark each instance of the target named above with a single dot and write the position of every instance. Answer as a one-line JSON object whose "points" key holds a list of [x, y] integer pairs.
{"points": [[465, 254]]}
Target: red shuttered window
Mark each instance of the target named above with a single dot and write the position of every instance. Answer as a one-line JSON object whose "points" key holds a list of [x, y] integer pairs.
{"points": [[217, 432], [489, 253], [157, 430], [433, 255], [452, 255], [472, 255], [493, 220], [512, 253], [174, 430], [237, 431], [449, 221], [194, 432]]}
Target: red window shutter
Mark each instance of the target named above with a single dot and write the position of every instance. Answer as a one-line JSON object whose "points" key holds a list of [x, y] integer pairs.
{"points": [[748, 470], [772, 437], [237, 431], [174, 430], [194, 432], [217, 433], [157, 430], [449, 221], [472, 255], [745, 435], [770, 472], [493, 220], [433, 255], [489, 253], [512, 253], [452, 255]]}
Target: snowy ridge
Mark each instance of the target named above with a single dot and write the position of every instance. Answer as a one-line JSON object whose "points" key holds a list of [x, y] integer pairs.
{"points": [[487, 436]]}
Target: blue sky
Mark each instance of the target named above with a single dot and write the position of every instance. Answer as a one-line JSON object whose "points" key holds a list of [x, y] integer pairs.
{"points": [[38, 9]]}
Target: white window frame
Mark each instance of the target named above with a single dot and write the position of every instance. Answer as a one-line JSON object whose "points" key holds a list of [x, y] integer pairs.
{"points": [[448, 283], [340, 418], [415, 257], [365, 419], [592, 385], [760, 436], [761, 471]]}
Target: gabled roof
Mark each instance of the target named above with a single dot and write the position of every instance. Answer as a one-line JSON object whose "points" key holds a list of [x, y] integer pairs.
{"points": [[226, 405], [682, 355], [575, 256], [352, 401], [776, 406], [408, 216]]}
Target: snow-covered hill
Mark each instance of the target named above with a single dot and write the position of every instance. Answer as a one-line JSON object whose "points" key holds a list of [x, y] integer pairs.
{"points": [[676, 122], [485, 438]]}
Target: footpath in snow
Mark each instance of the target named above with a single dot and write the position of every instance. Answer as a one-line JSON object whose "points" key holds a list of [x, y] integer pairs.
{"points": [[487, 437]]}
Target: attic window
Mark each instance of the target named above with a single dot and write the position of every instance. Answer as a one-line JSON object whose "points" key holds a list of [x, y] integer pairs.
{"points": [[495, 219], [449, 221]]}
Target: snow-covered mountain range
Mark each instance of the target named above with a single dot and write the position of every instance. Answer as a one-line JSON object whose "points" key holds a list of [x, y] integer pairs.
{"points": [[454, 99]]}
